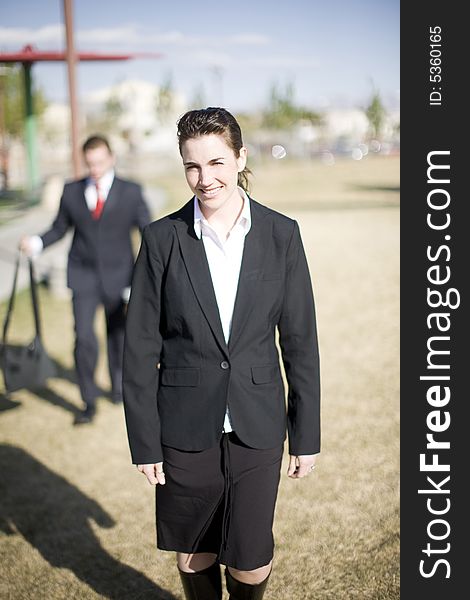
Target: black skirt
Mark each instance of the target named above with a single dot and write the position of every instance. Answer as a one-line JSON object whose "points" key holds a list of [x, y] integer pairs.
{"points": [[220, 500]]}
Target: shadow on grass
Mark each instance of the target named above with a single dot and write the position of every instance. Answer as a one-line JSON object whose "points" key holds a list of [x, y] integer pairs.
{"points": [[372, 187], [341, 204], [47, 394], [6, 403], [54, 517], [50, 396]]}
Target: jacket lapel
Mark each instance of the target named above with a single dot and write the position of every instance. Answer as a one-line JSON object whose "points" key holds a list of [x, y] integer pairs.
{"points": [[83, 203], [113, 196], [111, 199], [197, 267], [254, 256]]}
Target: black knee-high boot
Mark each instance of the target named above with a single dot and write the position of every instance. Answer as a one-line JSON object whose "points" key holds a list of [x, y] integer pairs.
{"points": [[244, 591], [202, 585]]}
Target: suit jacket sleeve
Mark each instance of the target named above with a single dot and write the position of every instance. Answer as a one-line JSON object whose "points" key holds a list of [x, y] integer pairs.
{"points": [[299, 348], [142, 349], [60, 225]]}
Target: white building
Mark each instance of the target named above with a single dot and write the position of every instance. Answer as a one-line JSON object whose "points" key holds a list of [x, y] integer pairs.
{"points": [[137, 115]]}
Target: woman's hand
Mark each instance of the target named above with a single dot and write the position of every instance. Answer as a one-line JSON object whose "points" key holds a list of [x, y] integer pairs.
{"points": [[153, 472], [302, 465]]}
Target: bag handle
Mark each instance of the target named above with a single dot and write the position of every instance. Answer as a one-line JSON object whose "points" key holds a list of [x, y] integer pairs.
{"points": [[34, 299]]}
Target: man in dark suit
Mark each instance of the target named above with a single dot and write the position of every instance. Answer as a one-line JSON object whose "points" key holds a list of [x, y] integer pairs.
{"points": [[103, 210]]}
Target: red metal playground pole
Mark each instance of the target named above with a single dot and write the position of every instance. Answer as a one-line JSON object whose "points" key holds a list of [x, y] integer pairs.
{"points": [[71, 58]]}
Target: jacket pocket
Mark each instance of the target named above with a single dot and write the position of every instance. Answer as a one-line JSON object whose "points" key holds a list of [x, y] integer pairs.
{"points": [[180, 376], [271, 276], [264, 374]]}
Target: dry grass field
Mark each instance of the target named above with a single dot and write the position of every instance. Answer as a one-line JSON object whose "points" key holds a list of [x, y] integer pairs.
{"points": [[77, 520]]}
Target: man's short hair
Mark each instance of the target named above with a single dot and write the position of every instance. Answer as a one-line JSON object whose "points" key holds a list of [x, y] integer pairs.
{"points": [[96, 141]]}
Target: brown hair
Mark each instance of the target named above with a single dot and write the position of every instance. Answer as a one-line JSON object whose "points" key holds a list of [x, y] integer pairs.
{"points": [[219, 121], [96, 141]]}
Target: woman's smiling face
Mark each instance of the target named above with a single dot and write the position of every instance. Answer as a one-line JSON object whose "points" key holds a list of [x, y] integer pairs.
{"points": [[211, 169]]}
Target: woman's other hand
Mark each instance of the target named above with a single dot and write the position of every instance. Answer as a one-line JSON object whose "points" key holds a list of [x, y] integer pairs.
{"points": [[153, 472], [300, 466]]}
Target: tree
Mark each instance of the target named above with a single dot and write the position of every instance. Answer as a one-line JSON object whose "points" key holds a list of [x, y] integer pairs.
{"points": [[375, 113], [283, 113], [12, 111], [198, 99], [113, 110], [165, 99]]}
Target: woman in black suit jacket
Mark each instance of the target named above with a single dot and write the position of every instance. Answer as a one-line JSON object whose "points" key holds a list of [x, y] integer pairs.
{"points": [[203, 393]]}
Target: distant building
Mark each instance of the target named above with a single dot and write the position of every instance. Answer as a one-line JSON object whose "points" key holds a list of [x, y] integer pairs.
{"points": [[141, 126], [54, 132], [131, 109], [128, 112], [345, 123], [342, 132]]}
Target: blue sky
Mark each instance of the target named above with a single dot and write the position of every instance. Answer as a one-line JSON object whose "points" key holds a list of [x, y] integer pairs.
{"points": [[334, 52]]}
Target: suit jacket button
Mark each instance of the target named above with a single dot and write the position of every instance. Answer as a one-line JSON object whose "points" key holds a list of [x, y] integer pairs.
{"points": [[224, 364]]}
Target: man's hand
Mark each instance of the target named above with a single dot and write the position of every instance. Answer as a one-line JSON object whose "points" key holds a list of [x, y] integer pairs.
{"points": [[153, 472], [25, 245], [302, 465]]}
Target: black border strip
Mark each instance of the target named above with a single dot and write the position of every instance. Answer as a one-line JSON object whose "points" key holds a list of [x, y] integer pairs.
{"points": [[434, 123]]}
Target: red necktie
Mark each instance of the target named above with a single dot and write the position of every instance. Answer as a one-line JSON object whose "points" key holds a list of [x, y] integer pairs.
{"points": [[96, 214]]}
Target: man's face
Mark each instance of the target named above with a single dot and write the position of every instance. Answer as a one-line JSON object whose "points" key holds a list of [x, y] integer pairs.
{"points": [[98, 161]]}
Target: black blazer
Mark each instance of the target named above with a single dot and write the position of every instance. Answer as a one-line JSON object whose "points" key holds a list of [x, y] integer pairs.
{"points": [[173, 321], [101, 250]]}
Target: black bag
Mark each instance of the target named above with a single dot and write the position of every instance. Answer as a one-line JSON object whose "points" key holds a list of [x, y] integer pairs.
{"points": [[25, 366]]}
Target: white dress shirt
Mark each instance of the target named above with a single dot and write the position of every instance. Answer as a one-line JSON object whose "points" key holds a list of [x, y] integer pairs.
{"points": [[104, 184], [224, 258], [91, 197]]}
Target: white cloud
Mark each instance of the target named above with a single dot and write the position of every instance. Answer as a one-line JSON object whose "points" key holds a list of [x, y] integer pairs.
{"points": [[226, 53], [249, 39], [16, 36], [126, 37], [107, 35], [293, 62], [204, 57], [135, 35]]}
